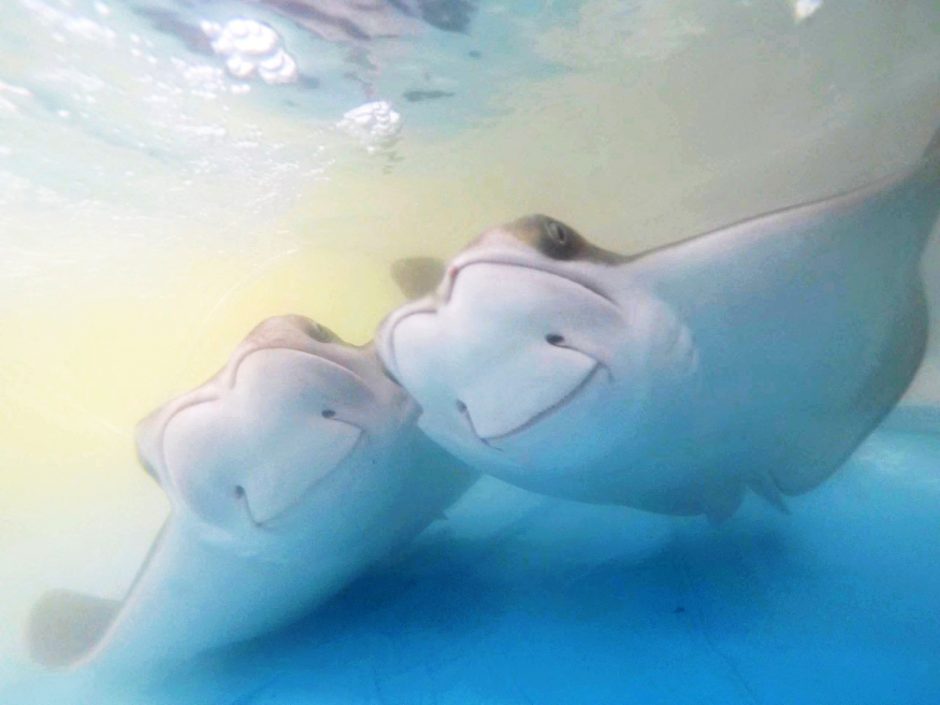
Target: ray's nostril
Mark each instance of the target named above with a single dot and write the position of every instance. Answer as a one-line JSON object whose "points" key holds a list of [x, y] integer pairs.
{"points": [[554, 339]]}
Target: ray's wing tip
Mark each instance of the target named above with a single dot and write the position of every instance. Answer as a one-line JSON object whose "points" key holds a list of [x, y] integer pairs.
{"points": [[64, 627]]}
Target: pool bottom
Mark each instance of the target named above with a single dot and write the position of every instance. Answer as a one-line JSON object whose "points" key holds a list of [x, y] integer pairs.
{"points": [[517, 598]]}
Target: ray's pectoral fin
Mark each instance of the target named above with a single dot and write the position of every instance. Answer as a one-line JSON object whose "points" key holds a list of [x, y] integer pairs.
{"points": [[64, 626], [417, 276], [722, 502], [875, 397], [763, 485]]}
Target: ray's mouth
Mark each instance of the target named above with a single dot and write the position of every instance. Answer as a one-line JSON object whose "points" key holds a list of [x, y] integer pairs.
{"points": [[242, 497], [266, 523], [547, 412]]}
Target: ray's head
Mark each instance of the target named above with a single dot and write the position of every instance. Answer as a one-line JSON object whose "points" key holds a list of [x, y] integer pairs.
{"points": [[293, 408], [533, 336]]}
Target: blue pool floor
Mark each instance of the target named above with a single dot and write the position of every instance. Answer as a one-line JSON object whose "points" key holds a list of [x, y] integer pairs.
{"points": [[522, 599]]}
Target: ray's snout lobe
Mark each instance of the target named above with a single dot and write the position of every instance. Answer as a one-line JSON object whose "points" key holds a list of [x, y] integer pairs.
{"points": [[287, 409]]}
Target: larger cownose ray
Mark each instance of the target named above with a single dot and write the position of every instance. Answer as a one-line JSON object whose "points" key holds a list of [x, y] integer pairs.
{"points": [[758, 355], [289, 472]]}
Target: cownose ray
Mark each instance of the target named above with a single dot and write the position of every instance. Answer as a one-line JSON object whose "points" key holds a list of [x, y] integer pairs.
{"points": [[288, 473], [755, 356]]}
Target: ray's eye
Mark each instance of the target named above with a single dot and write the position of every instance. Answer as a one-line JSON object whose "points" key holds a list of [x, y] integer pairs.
{"points": [[557, 240], [557, 232], [239, 491], [321, 333], [461, 407], [555, 339], [328, 413]]}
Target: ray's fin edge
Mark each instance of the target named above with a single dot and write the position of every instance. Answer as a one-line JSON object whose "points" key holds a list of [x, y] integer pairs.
{"points": [[65, 627], [417, 276], [763, 486]]}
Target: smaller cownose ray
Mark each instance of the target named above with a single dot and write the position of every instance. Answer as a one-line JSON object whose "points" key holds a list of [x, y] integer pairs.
{"points": [[755, 356], [288, 473]]}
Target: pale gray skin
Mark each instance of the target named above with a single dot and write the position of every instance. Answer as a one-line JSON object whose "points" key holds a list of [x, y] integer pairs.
{"points": [[758, 355], [290, 472]]}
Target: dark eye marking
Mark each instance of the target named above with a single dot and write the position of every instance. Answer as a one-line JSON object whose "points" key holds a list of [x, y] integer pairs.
{"points": [[557, 240], [321, 333], [461, 407], [557, 232], [328, 413], [554, 339]]}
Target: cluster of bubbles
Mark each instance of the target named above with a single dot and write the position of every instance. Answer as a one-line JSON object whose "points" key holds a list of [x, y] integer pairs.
{"points": [[376, 125], [255, 49], [251, 48], [804, 9]]}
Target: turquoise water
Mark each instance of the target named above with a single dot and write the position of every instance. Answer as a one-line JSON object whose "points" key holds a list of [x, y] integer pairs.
{"points": [[520, 599], [167, 178]]}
